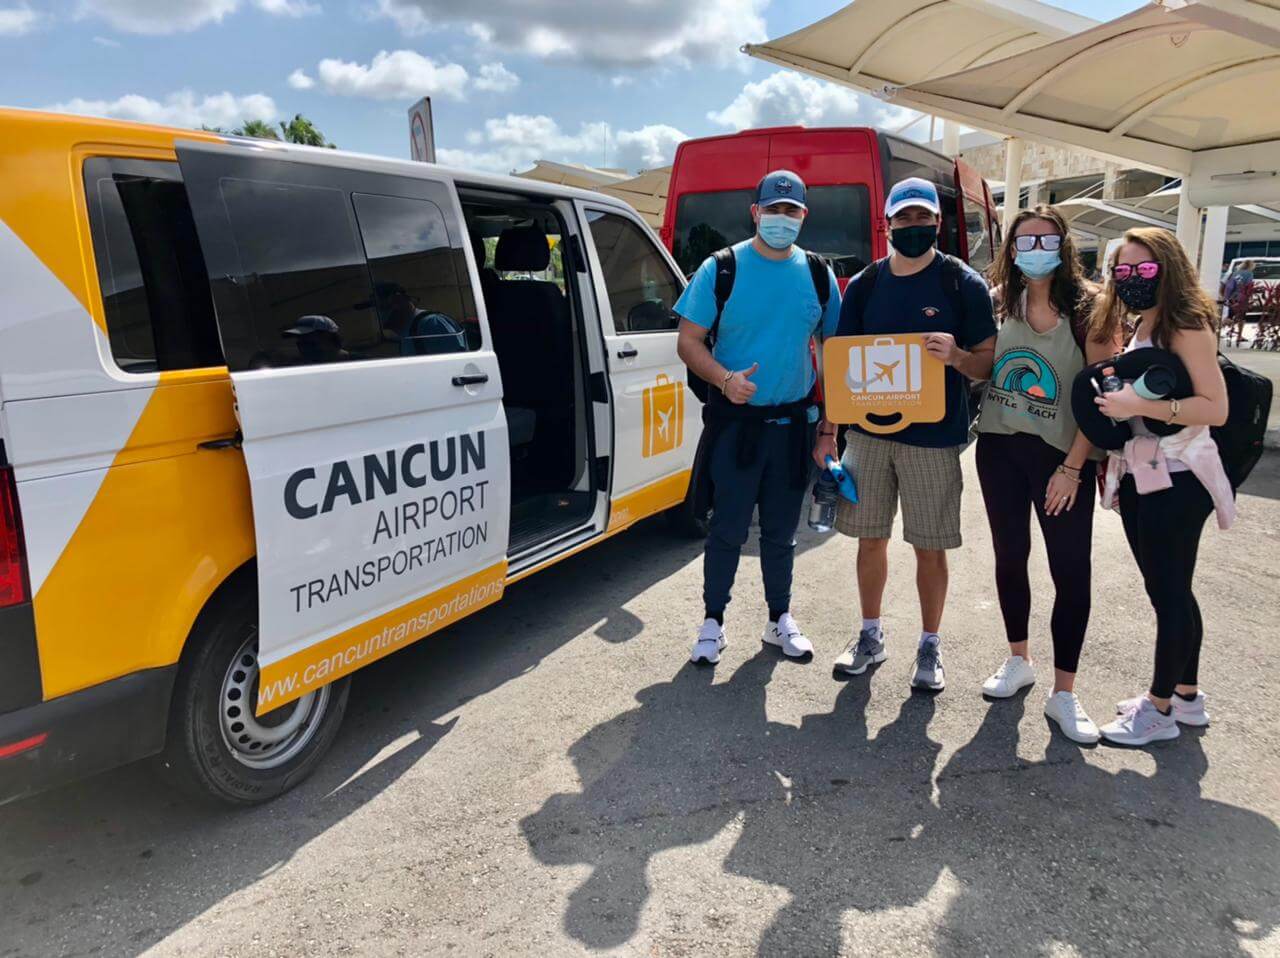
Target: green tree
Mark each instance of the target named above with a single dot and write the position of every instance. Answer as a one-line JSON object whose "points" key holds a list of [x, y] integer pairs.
{"points": [[260, 129], [303, 131]]}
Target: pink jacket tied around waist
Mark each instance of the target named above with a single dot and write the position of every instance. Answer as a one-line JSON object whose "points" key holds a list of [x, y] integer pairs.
{"points": [[1192, 445]]}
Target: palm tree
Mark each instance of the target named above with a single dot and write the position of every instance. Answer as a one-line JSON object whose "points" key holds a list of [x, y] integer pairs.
{"points": [[303, 131], [259, 129]]}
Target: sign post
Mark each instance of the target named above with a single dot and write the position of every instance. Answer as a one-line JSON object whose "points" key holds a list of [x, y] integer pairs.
{"points": [[422, 135]]}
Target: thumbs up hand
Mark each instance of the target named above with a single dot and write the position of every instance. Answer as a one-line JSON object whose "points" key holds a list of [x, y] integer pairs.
{"points": [[739, 388]]}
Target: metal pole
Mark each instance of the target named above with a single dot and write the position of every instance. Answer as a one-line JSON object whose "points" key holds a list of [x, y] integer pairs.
{"points": [[1188, 228], [1014, 148], [1215, 243]]}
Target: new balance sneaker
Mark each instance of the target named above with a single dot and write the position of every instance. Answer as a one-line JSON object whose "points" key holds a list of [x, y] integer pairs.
{"points": [[1065, 709], [863, 652], [1016, 673], [787, 636], [928, 674], [1184, 713], [1141, 725], [707, 646]]}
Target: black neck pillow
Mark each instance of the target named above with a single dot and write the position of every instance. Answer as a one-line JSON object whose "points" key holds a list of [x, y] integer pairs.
{"points": [[1164, 367]]}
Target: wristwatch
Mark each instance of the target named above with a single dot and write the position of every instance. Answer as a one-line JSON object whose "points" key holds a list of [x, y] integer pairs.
{"points": [[1175, 407]]}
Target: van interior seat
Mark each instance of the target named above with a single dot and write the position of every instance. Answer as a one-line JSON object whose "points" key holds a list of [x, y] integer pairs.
{"points": [[533, 337]]}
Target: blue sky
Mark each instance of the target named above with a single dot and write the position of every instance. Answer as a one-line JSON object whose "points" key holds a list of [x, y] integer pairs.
{"points": [[510, 80]]}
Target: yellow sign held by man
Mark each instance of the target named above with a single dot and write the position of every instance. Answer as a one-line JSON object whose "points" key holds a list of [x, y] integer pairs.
{"points": [[882, 383]]}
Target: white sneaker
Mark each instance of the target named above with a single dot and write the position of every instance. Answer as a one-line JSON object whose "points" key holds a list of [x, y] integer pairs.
{"points": [[1184, 712], [1141, 726], [929, 674], [1016, 673], [707, 646], [1065, 709], [787, 636]]}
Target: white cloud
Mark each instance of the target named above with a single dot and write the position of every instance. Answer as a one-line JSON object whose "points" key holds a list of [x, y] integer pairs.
{"points": [[496, 78], [786, 98], [177, 16], [182, 108], [399, 74], [106, 42], [15, 21], [645, 33], [621, 80], [299, 80], [516, 140]]}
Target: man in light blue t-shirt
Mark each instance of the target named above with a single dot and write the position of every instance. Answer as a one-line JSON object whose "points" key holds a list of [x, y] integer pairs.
{"points": [[759, 418]]}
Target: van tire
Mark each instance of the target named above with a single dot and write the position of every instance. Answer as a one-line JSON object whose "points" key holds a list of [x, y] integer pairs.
{"points": [[197, 757]]}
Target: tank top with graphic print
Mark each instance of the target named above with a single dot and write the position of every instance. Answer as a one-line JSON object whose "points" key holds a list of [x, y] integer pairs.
{"points": [[1030, 386]]}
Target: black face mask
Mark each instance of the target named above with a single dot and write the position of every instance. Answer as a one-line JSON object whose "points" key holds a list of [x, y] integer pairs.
{"points": [[1138, 293], [913, 241]]}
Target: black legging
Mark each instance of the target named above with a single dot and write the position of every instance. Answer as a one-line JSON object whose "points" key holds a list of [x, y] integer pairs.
{"points": [[1163, 529], [1014, 472]]}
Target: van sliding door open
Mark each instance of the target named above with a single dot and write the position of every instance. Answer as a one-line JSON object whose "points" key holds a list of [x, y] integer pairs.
{"points": [[369, 400]]}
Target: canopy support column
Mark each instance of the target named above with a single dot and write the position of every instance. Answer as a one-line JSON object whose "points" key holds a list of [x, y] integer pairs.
{"points": [[1188, 225], [1215, 244], [1014, 149], [951, 138]]}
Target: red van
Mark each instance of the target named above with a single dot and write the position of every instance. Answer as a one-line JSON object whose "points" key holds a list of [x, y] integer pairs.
{"points": [[846, 170]]}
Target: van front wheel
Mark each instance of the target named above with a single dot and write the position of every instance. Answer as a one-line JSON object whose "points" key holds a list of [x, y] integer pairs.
{"points": [[216, 745]]}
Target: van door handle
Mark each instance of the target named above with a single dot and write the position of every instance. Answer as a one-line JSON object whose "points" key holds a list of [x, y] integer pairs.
{"points": [[227, 442], [471, 379], [629, 353]]}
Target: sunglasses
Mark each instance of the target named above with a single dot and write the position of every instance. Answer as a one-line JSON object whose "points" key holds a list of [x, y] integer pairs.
{"points": [[1049, 242], [1147, 270]]}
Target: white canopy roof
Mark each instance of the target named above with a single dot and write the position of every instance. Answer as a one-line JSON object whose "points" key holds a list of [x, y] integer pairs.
{"points": [[1186, 87], [646, 192], [1110, 218], [573, 174], [873, 43]]}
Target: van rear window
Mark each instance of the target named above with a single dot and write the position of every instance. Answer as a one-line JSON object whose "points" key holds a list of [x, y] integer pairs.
{"points": [[838, 225], [155, 290]]}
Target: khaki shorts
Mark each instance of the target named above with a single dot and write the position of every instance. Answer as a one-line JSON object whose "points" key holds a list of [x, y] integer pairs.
{"points": [[928, 481]]}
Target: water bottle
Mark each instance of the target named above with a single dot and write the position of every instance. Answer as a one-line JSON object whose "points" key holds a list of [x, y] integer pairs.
{"points": [[822, 513]]}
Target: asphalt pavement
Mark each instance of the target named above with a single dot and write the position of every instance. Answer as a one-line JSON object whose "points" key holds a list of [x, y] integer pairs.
{"points": [[551, 777]]}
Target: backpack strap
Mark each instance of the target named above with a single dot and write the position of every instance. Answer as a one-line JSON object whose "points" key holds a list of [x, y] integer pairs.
{"points": [[859, 294], [952, 275], [819, 270], [726, 271]]}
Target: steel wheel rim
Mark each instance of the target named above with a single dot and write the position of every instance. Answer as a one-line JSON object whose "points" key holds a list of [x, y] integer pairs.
{"points": [[264, 742]]}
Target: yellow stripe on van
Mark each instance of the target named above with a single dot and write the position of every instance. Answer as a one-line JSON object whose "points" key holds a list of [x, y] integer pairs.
{"points": [[292, 677]]}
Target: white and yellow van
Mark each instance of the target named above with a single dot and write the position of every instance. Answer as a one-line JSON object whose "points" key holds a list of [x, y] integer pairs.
{"points": [[269, 413]]}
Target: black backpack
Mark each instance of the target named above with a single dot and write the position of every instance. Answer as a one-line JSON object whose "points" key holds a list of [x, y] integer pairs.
{"points": [[726, 272], [1240, 438]]}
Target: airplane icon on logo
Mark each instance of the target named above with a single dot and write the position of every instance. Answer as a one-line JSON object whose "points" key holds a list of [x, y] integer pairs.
{"points": [[664, 422], [886, 371]]}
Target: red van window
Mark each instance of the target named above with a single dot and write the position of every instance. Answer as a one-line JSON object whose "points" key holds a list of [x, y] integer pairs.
{"points": [[838, 225]]}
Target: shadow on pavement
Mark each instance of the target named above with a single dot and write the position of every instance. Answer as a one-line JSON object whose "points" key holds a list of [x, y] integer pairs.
{"points": [[1264, 481], [1015, 857], [80, 851]]}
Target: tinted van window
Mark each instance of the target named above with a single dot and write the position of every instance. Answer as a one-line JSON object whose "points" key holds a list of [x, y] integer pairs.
{"points": [[838, 225], [155, 291], [312, 300], [422, 303], [642, 287]]}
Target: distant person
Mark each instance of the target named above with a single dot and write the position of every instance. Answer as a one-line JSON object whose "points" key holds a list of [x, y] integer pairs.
{"points": [[759, 417], [1153, 279], [1032, 457], [318, 340], [1236, 289], [420, 332], [916, 289]]}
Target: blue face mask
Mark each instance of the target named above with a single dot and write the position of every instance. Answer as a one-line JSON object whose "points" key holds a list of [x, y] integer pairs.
{"points": [[1038, 263], [778, 229]]}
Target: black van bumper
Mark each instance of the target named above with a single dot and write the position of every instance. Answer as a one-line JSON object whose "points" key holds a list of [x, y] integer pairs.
{"points": [[85, 732]]}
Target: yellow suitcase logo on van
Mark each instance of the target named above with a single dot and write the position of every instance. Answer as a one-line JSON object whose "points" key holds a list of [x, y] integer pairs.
{"points": [[663, 416]]}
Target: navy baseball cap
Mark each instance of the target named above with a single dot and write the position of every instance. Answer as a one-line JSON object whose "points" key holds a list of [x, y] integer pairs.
{"points": [[781, 186], [912, 191]]}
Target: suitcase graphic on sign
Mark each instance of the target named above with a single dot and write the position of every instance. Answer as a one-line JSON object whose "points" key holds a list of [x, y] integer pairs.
{"points": [[884, 367], [663, 416]]}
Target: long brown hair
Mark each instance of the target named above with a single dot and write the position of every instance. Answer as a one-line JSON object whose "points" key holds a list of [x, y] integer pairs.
{"points": [[1070, 292], [1183, 304]]}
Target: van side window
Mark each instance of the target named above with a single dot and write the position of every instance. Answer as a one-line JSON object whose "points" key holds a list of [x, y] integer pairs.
{"points": [[423, 303], [642, 287], [155, 290], [312, 301], [975, 226]]}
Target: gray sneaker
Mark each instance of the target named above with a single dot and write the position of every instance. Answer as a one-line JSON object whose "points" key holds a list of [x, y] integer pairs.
{"points": [[929, 674], [862, 653]]}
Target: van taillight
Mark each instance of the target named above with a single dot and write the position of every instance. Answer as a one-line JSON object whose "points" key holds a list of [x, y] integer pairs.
{"points": [[13, 554]]}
